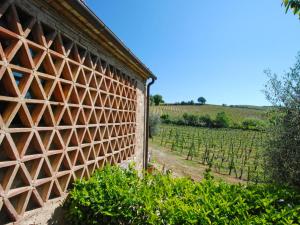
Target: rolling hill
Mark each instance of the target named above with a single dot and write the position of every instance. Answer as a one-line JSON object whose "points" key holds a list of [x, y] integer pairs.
{"points": [[236, 113]]}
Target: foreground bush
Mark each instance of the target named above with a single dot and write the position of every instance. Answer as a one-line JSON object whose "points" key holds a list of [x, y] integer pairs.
{"points": [[116, 196]]}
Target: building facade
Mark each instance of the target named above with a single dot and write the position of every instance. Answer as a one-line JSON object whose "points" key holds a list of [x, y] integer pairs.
{"points": [[72, 99]]}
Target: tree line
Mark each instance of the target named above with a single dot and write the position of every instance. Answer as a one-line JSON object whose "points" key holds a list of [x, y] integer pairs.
{"points": [[158, 100], [222, 120]]}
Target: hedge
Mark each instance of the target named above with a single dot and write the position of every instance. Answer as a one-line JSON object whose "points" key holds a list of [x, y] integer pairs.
{"points": [[118, 196]]}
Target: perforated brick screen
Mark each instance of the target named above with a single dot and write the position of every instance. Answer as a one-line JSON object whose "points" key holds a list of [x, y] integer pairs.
{"points": [[64, 113]]}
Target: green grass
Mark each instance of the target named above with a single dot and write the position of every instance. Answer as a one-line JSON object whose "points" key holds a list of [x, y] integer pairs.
{"points": [[236, 114]]}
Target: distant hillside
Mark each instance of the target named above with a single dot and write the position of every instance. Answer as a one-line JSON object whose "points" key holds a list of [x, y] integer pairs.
{"points": [[236, 113], [252, 107]]}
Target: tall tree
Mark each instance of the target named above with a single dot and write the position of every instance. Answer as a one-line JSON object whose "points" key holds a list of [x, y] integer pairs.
{"points": [[151, 100], [201, 100], [158, 99], [283, 147]]}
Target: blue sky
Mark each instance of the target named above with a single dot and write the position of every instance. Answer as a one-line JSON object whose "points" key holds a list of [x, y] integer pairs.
{"points": [[216, 49]]}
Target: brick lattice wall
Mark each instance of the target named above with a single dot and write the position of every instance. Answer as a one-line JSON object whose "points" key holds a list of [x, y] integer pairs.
{"points": [[63, 113]]}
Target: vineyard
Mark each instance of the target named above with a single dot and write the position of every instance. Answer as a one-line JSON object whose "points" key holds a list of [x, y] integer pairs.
{"points": [[226, 151], [236, 113]]}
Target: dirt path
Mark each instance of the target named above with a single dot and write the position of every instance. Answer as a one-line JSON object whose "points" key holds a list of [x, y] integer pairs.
{"points": [[164, 159]]}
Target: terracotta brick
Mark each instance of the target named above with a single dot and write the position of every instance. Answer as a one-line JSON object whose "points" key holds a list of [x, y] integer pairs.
{"points": [[64, 111]]}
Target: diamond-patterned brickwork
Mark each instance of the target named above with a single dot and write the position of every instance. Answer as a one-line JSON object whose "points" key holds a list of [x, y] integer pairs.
{"points": [[63, 113]]}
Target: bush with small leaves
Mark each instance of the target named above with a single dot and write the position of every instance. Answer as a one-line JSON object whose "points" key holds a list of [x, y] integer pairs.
{"points": [[206, 121], [222, 120], [253, 124], [154, 122], [117, 196]]}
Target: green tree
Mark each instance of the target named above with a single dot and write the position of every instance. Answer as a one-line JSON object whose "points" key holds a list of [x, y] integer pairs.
{"points": [[253, 124], [154, 122], [151, 100], [294, 5], [201, 100], [206, 121], [283, 147], [157, 99], [222, 120]]}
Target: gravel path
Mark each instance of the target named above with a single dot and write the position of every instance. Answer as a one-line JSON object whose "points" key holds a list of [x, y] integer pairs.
{"points": [[164, 159]]}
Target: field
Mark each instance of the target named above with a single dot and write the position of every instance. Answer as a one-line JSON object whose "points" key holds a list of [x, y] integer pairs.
{"points": [[237, 114], [235, 153]]}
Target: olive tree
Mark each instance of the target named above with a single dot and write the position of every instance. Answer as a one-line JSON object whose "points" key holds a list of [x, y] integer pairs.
{"points": [[294, 5], [283, 145], [154, 122]]}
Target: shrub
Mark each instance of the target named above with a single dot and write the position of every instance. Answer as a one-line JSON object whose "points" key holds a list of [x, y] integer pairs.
{"points": [[179, 121], [237, 125], [190, 119], [154, 122], [206, 121], [222, 120], [253, 124], [116, 196], [165, 118]]}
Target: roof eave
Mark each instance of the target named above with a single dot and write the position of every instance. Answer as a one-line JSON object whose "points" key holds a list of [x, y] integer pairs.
{"points": [[109, 40]]}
